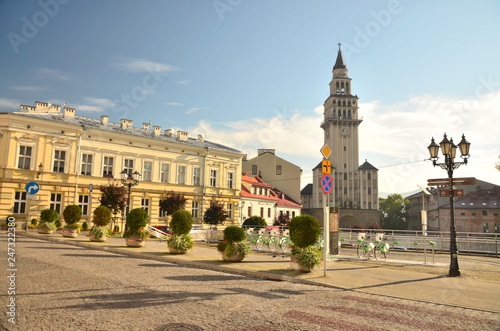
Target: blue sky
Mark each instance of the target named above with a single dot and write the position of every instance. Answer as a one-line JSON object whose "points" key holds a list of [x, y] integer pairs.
{"points": [[254, 74]]}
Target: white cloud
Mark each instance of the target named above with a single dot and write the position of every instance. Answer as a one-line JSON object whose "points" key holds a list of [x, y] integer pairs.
{"points": [[184, 82], [393, 137], [26, 88], [142, 65], [9, 104], [49, 73], [95, 104], [174, 104]]}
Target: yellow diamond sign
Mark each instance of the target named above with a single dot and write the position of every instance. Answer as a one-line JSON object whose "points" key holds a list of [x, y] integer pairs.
{"points": [[326, 151]]}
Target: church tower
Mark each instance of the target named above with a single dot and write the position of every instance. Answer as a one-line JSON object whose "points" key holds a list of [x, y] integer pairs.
{"points": [[356, 192]]}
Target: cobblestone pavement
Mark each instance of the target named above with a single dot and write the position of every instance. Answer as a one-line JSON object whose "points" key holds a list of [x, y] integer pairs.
{"points": [[65, 287]]}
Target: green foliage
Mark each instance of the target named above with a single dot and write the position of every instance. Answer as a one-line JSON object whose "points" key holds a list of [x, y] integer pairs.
{"points": [[304, 230], [75, 226], [308, 257], [85, 226], [230, 248], [47, 226], [234, 233], [255, 221], [114, 197], [102, 216], [34, 221], [49, 215], [394, 212], [58, 224], [180, 242], [171, 202], [72, 214], [181, 223], [99, 231], [216, 214], [137, 219]]}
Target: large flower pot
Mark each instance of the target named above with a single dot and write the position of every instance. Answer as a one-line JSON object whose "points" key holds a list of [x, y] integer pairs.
{"points": [[232, 258], [173, 250], [135, 241], [43, 231], [295, 265], [69, 232], [96, 239]]}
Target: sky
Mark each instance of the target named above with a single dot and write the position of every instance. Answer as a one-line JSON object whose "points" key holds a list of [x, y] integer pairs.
{"points": [[254, 74]]}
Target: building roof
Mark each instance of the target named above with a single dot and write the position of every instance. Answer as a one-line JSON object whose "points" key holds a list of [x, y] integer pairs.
{"points": [[307, 190], [87, 122], [480, 199], [367, 166], [280, 198]]}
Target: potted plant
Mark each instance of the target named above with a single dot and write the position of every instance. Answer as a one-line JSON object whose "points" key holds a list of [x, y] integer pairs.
{"points": [[304, 233], [101, 219], [234, 247], [71, 215], [180, 225], [48, 218], [136, 233]]}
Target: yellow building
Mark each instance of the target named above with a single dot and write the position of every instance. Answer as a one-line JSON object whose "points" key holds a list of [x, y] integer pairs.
{"points": [[70, 157]]}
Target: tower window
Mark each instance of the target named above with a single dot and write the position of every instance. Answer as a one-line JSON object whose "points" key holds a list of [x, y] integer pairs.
{"points": [[345, 148]]}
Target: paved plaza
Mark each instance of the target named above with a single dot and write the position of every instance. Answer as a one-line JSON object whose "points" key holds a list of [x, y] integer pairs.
{"points": [[74, 284]]}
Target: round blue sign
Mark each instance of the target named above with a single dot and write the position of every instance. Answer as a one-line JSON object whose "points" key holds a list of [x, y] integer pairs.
{"points": [[327, 183], [32, 188]]}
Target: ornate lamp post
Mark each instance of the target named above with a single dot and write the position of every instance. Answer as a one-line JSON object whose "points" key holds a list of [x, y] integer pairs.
{"points": [[130, 181], [449, 150]]}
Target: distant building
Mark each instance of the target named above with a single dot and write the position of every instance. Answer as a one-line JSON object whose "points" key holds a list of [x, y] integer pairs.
{"points": [[275, 171], [355, 187], [477, 211], [66, 154], [261, 199]]}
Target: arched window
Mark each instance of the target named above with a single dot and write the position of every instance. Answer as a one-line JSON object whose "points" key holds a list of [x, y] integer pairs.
{"points": [[343, 103], [348, 104], [349, 115], [344, 114], [340, 115]]}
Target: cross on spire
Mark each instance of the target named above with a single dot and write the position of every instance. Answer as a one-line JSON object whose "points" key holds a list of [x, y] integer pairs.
{"points": [[340, 44]]}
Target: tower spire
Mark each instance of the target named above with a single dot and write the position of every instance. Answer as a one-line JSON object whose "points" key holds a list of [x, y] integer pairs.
{"points": [[339, 64]]}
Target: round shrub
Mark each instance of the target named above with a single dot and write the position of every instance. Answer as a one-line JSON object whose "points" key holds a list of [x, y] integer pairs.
{"points": [[181, 222], [234, 233], [49, 215], [137, 219], [72, 214], [304, 230], [102, 216], [255, 221]]}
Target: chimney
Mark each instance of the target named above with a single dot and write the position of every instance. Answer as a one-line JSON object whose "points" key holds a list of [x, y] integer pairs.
{"points": [[145, 126], [200, 137], [266, 150], [157, 130], [168, 132], [69, 112], [125, 123], [181, 135], [104, 119]]}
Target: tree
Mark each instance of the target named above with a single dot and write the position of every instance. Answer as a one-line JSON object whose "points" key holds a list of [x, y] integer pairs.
{"points": [[170, 202], [394, 212], [216, 214], [114, 197]]}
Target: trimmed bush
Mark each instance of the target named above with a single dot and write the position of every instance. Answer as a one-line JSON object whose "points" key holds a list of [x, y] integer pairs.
{"points": [[234, 233], [304, 230], [72, 214], [137, 219], [255, 221], [102, 216], [49, 215], [181, 223]]}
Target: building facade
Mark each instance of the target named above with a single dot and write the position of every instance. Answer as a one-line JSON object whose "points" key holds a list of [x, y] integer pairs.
{"points": [[258, 198], [275, 171], [478, 210], [71, 156], [355, 193]]}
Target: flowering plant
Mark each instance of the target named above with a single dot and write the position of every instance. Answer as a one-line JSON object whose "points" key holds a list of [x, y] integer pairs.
{"points": [[75, 226], [308, 257], [47, 226], [182, 242], [141, 233], [99, 232], [230, 248]]}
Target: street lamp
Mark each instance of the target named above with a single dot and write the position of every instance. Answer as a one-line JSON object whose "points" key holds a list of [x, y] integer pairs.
{"points": [[130, 181], [449, 150]]}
